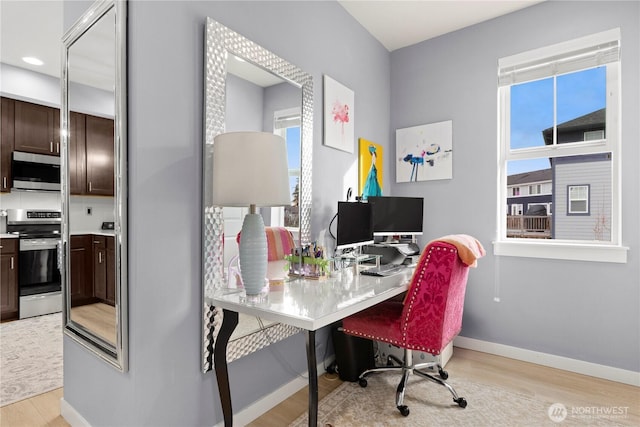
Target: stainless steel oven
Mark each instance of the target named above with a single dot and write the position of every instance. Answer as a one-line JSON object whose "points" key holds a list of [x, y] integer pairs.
{"points": [[39, 283]]}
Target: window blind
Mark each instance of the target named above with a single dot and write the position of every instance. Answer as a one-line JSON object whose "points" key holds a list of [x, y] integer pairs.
{"points": [[284, 122], [588, 52]]}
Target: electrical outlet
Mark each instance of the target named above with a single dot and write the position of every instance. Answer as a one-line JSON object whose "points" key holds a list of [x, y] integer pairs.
{"points": [[89, 211]]}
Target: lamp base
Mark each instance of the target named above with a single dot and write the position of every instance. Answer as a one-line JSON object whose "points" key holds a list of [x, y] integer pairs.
{"points": [[255, 299], [253, 254]]}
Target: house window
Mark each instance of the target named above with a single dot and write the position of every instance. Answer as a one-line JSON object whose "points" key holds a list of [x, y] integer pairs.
{"points": [[516, 209], [594, 135], [286, 123], [577, 200], [516, 191], [559, 113]]}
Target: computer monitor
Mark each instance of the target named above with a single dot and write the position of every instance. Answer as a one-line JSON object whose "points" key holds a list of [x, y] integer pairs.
{"points": [[354, 225], [396, 215]]}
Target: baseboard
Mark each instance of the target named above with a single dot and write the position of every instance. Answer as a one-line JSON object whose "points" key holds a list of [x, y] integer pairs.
{"points": [[72, 416], [243, 417], [551, 360], [256, 409]]}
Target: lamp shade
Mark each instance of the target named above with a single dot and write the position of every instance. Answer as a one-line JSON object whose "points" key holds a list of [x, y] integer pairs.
{"points": [[250, 168]]}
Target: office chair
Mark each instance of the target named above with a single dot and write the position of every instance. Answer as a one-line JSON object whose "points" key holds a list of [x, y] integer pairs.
{"points": [[429, 317]]}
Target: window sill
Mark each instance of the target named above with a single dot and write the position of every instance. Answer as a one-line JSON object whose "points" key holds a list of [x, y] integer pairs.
{"points": [[561, 250]]}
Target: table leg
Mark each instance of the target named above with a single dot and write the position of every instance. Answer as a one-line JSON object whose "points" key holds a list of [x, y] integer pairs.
{"points": [[313, 378], [229, 323]]}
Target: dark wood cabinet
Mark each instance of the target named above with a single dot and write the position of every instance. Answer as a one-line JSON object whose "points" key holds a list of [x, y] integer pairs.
{"points": [[34, 128], [111, 270], [100, 155], [8, 279], [81, 275], [99, 267], [77, 154], [6, 143], [92, 269], [37, 128]]}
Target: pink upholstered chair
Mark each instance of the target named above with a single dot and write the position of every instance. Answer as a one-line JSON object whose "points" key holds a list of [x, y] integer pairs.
{"points": [[429, 317]]}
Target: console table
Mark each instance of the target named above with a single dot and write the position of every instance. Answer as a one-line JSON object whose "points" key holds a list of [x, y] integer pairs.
{"points": [[306, 304]]}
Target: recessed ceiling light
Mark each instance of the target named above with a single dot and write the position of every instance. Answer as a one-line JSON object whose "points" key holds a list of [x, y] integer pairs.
{"points": [[31, 60]]}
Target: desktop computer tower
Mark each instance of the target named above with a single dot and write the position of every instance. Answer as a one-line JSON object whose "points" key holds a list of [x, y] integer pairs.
{"points": [[354, 355]]}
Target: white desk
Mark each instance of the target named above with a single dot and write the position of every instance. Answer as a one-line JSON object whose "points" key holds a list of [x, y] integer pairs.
{"points": [[307, 304]]}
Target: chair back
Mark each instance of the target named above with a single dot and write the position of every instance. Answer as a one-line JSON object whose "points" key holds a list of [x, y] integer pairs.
{"points": [[279, 243], [433, 306]]}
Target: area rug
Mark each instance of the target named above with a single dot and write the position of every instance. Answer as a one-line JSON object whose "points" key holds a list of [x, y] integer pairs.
{"points": [[30, 357], [350, 405]]}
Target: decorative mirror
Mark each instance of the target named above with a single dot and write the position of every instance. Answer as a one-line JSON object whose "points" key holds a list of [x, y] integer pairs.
{"points": [[94, 181], [248, 88]]}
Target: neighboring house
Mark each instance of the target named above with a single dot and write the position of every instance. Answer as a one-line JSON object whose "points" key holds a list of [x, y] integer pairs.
{"points": [[581, 184], [528, 189]]}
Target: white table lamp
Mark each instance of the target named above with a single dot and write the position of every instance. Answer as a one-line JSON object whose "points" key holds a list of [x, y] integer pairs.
{"points": [[250, 169]]}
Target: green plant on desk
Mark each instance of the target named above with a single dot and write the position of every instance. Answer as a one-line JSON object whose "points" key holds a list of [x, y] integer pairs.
{"points": [[311, 267]]}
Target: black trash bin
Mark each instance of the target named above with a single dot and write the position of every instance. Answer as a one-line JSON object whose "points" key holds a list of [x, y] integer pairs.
{"points": [[354, 355]]}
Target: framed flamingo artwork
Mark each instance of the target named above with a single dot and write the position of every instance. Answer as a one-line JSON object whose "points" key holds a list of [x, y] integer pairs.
{"points": [[424, 152], [338, 115]]}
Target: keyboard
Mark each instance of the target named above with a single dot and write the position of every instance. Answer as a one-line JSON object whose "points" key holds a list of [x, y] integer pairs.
{"points": [[383, 270]]}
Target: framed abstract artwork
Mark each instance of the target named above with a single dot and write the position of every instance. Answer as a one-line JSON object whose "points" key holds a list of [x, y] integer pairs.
{"points": [[338, 115], [370, 168], [424, 152]]}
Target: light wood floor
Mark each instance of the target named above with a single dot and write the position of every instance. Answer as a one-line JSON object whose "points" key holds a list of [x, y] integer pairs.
{"points": [[534, 380], [99, 318]]}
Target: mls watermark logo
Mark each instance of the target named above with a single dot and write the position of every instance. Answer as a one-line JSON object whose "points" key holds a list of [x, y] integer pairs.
{"points": [[557, 412]]}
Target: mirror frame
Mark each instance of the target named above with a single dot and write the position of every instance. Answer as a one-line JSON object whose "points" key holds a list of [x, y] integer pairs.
{"points": [[220, 42], [116, 353]]}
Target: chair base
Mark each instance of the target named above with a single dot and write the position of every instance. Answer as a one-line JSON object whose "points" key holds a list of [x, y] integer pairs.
{"points": [[407, 368]]}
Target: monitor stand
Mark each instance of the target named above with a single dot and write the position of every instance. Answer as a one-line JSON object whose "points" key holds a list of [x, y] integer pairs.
{"points": [[393, 253]]}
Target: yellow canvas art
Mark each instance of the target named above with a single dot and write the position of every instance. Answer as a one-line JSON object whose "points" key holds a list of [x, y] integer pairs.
{"points": [[369, 169]]}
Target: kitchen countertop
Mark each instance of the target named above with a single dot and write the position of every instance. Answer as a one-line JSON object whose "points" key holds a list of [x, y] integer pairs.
{"points": [[96, 232], [8, 236]]}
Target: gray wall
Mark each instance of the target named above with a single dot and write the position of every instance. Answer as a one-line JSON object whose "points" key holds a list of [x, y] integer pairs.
{"points": [[581, 310], [586, 311], [164, 385]]}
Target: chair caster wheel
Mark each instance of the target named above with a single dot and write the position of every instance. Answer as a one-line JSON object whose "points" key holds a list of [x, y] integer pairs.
{"points": [[461, 401], [403, 410], [443, 374], [363, 382]]}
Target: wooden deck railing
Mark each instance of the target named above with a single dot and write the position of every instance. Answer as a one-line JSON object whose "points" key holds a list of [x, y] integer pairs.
{"points": [[529, 226]]}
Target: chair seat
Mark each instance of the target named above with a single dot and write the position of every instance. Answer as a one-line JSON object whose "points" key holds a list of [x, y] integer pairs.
{"points": [[380, 322]]}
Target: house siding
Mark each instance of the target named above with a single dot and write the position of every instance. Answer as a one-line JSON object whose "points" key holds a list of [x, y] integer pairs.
{"points": [[596, 174]]}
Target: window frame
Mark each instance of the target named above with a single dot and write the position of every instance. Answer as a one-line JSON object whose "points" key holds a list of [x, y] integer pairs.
{"points": [[293, 117], [585, 250]]}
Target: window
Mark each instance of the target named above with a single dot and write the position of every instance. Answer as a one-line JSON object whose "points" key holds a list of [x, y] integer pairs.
{"points": [[594, 135], [559, 124], [577, 199], [286, 123]]}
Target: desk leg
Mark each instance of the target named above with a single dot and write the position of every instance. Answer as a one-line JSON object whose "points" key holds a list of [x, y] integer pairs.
{"points": [[229, 323], [313, 378]]}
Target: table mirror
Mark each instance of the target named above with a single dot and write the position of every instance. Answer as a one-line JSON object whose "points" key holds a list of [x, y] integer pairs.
{"points": [[94, 182], [248, 88]]}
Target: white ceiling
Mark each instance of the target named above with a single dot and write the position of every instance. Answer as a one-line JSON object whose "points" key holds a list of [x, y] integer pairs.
{"points": [[34, 27], [401, 23]]}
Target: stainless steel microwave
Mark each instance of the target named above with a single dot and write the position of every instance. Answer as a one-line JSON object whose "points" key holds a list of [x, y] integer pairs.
{"points": [[35, 171]]}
